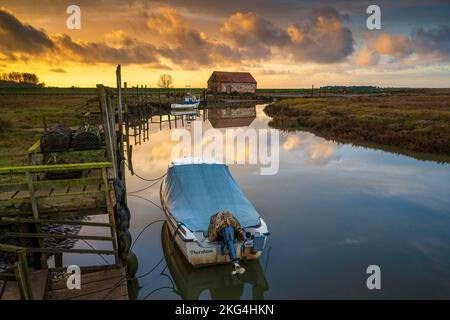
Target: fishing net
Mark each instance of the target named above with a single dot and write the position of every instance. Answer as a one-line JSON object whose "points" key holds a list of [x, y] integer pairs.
{"points": [[222, 220], [57, 139], [87, 138]]}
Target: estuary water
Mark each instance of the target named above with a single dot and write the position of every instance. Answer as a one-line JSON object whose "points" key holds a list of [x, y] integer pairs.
{"points": [[332, 210]]}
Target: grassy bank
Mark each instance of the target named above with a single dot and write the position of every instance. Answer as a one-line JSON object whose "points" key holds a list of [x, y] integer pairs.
{"points": [[418, 122], [21, 118]]}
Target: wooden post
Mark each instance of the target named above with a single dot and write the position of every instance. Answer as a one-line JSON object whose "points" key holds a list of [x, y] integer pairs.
{"points": [[112, 220], [23, 276], [127, 125], [108, 130], [35, 209], [120, 118]]}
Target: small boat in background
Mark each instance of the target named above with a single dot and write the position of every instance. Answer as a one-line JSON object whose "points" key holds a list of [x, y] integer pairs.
{"points": [[189, 102], [193, 194]]}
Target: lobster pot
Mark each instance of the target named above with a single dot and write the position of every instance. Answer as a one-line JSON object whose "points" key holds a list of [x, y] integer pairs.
{"points": [[57, 139], [87, 138]]}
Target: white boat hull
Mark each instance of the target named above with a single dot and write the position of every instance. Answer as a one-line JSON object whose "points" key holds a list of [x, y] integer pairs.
{"points": [[185, 105], [204, 253]]}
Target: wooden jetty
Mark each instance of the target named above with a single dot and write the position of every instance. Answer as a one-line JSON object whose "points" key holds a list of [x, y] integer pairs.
{"points": [[34, 201]]}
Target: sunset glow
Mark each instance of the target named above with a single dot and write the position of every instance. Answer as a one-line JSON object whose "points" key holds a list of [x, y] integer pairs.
{"points": [[287, 44]]}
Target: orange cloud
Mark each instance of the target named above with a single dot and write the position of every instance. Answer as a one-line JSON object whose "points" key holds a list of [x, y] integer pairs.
{"points": [[367, 57], [398, 46]]}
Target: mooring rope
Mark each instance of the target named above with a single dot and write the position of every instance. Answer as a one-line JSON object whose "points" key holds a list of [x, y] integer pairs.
{"points": [[148, 187], [140, 197], [145, 179], [143, 229], [164, 256], [153, 269]]}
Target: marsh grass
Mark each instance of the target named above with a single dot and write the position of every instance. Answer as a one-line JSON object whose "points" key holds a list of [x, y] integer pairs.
{"points": [[414, 122], [21, 119]]}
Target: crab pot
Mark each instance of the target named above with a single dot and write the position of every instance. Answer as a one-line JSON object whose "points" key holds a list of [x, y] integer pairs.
{"points": [[57, 139], [87, 138]]}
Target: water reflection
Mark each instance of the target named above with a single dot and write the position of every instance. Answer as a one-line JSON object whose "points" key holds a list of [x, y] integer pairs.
{"points": [[332, 209]]}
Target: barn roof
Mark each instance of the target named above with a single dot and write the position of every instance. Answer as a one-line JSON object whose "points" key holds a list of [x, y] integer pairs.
{"points": [[241, 77]]}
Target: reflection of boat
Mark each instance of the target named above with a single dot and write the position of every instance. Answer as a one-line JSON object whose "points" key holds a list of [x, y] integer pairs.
{"points": [[192, 282], [189, 102], [183, 112], [231, 116], [191, 193]]}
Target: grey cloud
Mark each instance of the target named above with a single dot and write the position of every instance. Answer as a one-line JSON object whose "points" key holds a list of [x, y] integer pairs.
{"points": [[58, 70], [433, 42], [322, 37], [19, 37]]}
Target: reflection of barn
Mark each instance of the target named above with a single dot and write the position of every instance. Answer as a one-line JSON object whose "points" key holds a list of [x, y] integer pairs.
{"points": [[231, 116], [229, 82]]}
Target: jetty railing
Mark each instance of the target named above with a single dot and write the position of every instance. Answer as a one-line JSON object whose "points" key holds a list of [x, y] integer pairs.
{"points": [[35, 202], [22, 275]]}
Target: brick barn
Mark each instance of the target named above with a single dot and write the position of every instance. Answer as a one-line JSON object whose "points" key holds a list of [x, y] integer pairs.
{"points": [[229, 82]]}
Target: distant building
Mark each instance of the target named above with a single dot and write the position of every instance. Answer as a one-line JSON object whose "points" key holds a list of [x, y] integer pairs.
{"points": [[230, 82]]}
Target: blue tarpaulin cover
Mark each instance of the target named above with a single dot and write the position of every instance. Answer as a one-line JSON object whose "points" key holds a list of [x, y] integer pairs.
{"points": [[194, 192]]}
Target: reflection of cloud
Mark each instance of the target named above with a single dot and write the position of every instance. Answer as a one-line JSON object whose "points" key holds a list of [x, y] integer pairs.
{"points": [[312, 149], [322, 150], [291, 143]]}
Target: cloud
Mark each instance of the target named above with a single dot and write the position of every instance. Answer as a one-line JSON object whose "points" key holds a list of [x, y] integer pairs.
{"points": [[430, 46], [19, 37], [433, 43], [134, 52], [58, 70], [320, 38], [398, 46], [189, 47], [253, 33], [367, 57]]}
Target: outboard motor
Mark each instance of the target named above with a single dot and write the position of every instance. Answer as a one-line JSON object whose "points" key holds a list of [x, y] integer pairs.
{"points": [[224, 227]]}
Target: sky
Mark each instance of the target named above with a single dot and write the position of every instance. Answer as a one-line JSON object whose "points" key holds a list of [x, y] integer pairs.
{"points": [[283, 43]]}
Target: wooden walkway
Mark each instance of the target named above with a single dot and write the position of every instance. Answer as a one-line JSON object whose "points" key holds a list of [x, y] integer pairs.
{"points": [[97, 283]]}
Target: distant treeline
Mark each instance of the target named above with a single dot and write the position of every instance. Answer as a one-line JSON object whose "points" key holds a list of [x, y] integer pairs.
{"points": [[14, 79], [353, 88]]}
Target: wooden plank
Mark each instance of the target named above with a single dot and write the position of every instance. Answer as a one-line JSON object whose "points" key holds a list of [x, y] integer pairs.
{"points": [[7, 195], [102, 285], [11, 187], [68, 182], [58, 201], [104, 273], [38, 280], [54, 221], [60, 212], [56, 236], [55, 167], [61, 250]]}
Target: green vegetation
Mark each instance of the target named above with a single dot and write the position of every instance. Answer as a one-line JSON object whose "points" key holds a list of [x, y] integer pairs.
{"points": [[22, 119], [418, 121]]}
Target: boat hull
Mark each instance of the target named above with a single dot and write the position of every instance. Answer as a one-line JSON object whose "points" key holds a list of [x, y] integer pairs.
{"points": [[184, 105], [199, 255]]}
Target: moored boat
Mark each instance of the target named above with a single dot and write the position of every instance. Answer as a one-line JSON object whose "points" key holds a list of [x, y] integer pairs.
{"points": [[191, 194], [189, 102]]}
